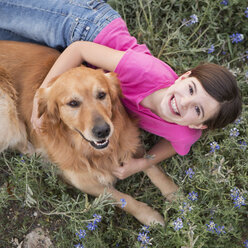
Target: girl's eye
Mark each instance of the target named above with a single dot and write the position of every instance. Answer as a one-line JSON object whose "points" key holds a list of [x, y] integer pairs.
{"points": [[198, 111], [101, 95], [191, 91]]}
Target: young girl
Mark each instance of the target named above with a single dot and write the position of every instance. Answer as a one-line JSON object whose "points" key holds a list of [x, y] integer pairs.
{"points": [[174, 108]]}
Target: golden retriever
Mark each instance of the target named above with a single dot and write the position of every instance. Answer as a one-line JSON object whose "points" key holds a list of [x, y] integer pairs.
{"points": [[85, 132]]}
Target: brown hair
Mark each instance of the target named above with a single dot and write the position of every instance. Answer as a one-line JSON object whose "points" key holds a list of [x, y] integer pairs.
{"points": [[222, 86]]}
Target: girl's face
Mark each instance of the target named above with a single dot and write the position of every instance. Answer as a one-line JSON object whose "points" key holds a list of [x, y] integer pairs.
{"points": [[187, 103]]}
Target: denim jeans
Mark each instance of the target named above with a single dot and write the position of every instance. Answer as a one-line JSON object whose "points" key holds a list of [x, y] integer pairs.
{"points": [[55, 23]]}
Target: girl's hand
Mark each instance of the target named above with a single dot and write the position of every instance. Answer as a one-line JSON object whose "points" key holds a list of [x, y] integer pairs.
{"points": [[35, 121], [131, 167]]}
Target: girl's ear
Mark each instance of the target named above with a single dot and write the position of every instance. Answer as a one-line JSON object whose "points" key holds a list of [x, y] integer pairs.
{"points": [[200, 126], [185, 75]]}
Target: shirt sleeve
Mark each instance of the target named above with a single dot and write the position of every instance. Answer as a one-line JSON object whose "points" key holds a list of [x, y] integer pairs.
{"points": [[143, 72]]}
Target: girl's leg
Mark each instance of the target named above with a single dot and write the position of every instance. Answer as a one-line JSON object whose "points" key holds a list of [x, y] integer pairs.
{"points": [[55, 23], [8, 35]]}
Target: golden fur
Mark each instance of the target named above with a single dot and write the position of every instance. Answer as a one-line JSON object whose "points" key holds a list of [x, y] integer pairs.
{"points": [[82, 114]]}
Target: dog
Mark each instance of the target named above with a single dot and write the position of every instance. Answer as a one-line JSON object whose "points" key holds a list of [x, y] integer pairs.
{"points": [[85, 130]]}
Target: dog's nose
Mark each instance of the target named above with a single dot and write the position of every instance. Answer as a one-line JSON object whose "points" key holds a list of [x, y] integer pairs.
{"points": [[101, 130]]}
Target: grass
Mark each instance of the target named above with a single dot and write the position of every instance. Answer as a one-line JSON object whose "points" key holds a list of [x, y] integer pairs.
{"points": [[32, 195]]}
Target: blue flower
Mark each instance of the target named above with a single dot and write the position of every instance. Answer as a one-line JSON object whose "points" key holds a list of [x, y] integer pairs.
{"points": [[81, 234], [145, 229], [97, 218], [246, 74], [236, 38], [124, 203], [245, 55], [211, 226], [246, 243], [79, 246], [239, 201], [143, 238], [91, 226], [220, 230], [193, 19], [178, 224], [193, 196], [246, 12], [224, 2], [211, 49], [238, 121], [22, 158], [185, 208], [234, 193], [214, 146], [190, 172], [234, 132], [243, 145]]}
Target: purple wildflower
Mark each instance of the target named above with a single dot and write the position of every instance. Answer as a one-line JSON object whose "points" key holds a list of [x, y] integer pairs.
{"points": [[243, 145], [190, 172], [92, 226], [236, 38], [211, 226], [214, 146], [144, 239], [145, 229], [178, 224], [193, 19], [239, 201], [246, 12], [220, 230], [97, 218], [193, 196], [234, 192], [211, 49], [81, 234], [224, 2], [234, 132], [246, 243]]}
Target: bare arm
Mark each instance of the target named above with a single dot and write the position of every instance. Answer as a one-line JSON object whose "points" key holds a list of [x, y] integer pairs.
{"points": [[161, 151], [80, 51]]}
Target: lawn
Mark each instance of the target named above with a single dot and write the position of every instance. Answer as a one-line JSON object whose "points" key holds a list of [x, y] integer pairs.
{"points": [[213, 177]]}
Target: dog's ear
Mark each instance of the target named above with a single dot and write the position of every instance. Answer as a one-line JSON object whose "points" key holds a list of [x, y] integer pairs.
{"points": [[114, 85], [47, 106]]}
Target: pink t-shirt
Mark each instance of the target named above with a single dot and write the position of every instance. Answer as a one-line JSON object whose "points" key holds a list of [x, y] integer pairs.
{"points": [[141, 74]]}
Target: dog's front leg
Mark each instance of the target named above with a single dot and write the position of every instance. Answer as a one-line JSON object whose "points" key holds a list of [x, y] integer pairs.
{"points": [[86, 183], [162, 181], [141, 211]]}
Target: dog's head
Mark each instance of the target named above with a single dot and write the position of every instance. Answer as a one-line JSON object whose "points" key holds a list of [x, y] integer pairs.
{"points": [[82, 99]]}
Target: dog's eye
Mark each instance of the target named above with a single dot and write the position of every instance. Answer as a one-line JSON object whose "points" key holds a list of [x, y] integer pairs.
{"points": [[101, 95], [74, 103]]}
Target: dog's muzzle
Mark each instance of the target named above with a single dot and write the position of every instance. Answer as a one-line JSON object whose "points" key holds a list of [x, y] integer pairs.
{"points": [[101, 132]]}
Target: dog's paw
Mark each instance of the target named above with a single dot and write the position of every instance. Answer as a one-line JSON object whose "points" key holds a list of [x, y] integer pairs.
{"points": [[150, 217]]}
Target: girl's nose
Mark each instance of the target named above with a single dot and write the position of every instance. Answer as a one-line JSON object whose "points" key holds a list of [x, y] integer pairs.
{"points": [[185, 101]]}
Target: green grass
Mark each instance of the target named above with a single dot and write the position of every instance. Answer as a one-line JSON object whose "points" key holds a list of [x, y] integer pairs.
{"points": [[32, 195]]}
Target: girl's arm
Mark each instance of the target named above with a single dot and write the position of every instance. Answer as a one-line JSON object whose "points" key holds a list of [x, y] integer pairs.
{"points": [[159, 152], [73, 56], [80, 51]]}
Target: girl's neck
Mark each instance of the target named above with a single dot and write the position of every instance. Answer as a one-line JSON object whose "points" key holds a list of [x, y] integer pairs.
{"points": [[153, 100]]}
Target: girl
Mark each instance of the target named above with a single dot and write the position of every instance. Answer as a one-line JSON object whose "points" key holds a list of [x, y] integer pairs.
{"points": [[174, 108]]}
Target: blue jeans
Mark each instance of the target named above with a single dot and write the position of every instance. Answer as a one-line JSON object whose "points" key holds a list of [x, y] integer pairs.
{"points": [[55, 23]]}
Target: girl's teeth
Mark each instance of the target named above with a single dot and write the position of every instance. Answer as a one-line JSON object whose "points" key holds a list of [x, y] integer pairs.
{"points": [[174, 106]]}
